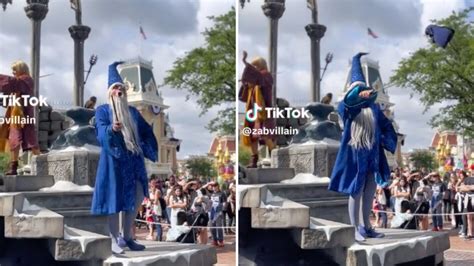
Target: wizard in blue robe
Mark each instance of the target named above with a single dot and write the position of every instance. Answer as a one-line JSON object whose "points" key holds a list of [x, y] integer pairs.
{"points": [[361, 163], [121, 181]]}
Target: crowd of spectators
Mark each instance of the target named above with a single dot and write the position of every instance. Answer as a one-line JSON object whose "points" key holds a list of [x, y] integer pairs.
{"points": [[187, 210], [422, 200]]}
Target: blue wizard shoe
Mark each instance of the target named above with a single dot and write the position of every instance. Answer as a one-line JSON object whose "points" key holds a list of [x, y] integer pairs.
{"points": [[131, 244], [369, 232], [358, 84]]}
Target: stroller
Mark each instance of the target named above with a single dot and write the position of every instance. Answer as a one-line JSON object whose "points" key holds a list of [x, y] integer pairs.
{"points": [[194, 219], [182, 231], [415, 207]]}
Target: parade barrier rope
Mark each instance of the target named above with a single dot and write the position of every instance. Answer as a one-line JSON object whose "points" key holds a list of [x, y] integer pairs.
{"points": [[194, 226], [425, 214]]}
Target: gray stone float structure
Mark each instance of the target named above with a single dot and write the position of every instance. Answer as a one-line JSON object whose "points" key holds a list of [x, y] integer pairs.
{"points": [[78, 166], [288, 123], [69, 159], [51, 124], [303, 223], [28, 213], [316, 158]]}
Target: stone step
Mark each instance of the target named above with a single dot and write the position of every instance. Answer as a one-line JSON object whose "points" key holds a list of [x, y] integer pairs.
{"points": [[79, 245], [84, 220], [277, 247], [302, 191], [11, 183], [323, 234], [250, 196], [313, 158], [57, 201], [9, 202], [280, 214], [34, 223], [400, 246], [166, 253], [333, 209], [267, 175]]}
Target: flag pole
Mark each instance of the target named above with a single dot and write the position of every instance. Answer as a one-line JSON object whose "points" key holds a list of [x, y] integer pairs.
{"points": [[139, 39], [368, 40]]}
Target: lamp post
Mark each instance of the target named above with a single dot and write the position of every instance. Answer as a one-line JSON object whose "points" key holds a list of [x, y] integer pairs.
{"points": [[315, 32], [92, 61], [79, 34], [328, 60], [273, 9], [36, 11]]}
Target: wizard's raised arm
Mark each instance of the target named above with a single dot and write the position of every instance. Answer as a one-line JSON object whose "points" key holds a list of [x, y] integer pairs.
{"points": [[353, 103], [22, 85], [6, 83]]}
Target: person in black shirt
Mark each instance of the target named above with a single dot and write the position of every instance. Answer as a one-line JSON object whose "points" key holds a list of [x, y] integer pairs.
{"points": [[217, 215], [467, 186], [414, 182]]}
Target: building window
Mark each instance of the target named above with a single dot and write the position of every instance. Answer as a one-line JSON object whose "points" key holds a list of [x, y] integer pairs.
{"points": [[131, 75]]}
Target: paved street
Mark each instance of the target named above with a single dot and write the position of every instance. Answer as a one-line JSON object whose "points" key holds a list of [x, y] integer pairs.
{"points": [[226, 255], [461, 252]]}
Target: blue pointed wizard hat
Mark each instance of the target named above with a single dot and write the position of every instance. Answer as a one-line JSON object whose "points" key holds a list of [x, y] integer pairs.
{"points": [[439, 35], [356, 70], [114, 76], [358, 84]]}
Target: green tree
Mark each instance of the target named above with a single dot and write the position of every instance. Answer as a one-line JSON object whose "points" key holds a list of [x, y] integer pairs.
{"points": [[422, 158], [200, 167], [208, 72], [244, 155], [4, 160], [445, 75]]}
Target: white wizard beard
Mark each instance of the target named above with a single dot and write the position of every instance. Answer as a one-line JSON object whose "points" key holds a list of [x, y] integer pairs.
{"points": [[363, 130], [129, 128]]}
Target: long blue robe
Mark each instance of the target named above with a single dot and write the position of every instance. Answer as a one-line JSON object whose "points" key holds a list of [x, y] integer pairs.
{"points": [[119, 170], [353, 165]]}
